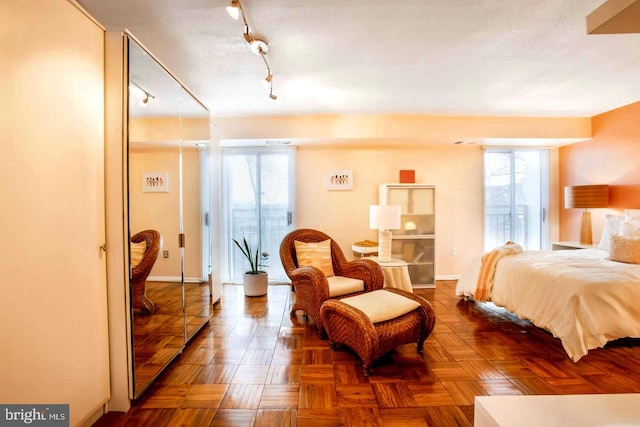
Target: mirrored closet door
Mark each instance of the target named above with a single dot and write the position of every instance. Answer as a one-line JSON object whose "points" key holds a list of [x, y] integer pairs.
{"points": [[168, 136]]}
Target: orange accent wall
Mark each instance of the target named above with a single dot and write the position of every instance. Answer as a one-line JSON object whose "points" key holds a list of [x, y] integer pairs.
{"points": [[611, 157]]}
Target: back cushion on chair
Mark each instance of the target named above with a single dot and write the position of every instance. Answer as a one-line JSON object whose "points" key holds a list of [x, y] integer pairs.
{"points": [[315, 254], [137, 252]]}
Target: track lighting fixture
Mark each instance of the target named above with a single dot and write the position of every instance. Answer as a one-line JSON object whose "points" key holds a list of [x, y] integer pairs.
{"points": [[143, 96], [144, 101], [257, 46]]}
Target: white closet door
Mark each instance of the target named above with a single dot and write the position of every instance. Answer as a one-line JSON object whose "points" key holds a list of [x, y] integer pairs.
{"points": [[53, 321]]}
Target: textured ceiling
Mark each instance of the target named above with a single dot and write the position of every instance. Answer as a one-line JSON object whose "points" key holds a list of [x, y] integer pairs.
{"points": [[462, 57]]}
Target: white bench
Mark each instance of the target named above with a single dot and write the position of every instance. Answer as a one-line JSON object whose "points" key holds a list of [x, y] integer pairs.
{"points": [[584, 410]]}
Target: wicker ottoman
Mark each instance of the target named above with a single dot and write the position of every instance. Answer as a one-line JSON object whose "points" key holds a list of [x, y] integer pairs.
{"points": [[376, 322]]}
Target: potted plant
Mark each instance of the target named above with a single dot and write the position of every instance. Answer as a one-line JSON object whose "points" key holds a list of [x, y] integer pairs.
{"points": [[255, 281]]}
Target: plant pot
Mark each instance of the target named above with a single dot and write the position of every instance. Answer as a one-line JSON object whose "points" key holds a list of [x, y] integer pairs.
{"points": [[255, 285]]}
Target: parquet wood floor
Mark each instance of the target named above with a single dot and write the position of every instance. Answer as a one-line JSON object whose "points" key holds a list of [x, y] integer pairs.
{"points": [[159, 337], [254, 366]]}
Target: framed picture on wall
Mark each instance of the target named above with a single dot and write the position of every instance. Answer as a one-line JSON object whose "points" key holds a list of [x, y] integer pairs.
{"points": [[339, 179], [155, 182]]}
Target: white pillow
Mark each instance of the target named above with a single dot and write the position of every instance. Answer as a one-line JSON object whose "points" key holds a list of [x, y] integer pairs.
{"points": [[633, 213], [630, 227], [612, 225]]}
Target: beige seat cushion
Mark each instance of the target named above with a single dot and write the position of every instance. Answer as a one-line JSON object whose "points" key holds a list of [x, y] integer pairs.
{"points": [[340, 285], [315, 254], [381, 305], [137, 252]]}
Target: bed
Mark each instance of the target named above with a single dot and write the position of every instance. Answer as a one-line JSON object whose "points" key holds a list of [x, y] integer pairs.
{"points": [[580, 296]]}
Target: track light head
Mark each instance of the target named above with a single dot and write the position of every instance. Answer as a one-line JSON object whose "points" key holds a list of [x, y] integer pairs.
{"points": [[146, 98], [144, 101], [259, 47], [247, 35], [234, 9], [267, 80]]}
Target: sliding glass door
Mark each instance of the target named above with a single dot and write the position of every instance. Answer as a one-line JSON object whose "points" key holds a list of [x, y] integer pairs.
{"points": [[516, 197], [258, 206]]}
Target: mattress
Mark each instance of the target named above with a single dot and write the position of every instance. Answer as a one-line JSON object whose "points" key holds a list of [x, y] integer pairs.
{"points": [[580, 296]]}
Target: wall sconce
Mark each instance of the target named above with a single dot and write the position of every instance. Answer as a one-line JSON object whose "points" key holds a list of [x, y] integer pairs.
{"points": [[586, 197], [384, 218]]}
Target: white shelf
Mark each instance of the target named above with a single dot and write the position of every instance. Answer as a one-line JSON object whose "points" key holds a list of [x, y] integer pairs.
{"points": [[415, 242]]}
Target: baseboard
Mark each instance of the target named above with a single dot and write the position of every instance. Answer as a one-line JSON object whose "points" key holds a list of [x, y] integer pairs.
{"points": [[423, 286], [175, 279], [448, 277], [91, 419]]}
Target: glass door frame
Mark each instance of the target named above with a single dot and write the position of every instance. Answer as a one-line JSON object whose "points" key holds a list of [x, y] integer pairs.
{"points": [[227, 244], [544, 190]]}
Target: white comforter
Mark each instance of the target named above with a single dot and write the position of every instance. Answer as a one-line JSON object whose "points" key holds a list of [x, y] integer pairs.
{"points": [[578, 295]]}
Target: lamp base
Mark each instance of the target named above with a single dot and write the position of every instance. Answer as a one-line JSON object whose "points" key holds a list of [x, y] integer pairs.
{"points": [[585, 228], [384, 246]]}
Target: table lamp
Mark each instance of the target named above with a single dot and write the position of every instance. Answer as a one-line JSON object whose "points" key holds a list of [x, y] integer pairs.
{"points": [[384, 218], [586, 197]]}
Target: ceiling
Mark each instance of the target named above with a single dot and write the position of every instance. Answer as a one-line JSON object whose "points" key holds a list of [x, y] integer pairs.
{"points": [[440, 57]]}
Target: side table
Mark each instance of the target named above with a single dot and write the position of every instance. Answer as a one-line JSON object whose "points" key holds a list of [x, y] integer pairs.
{"points": [[396, 273], [563, 246]]}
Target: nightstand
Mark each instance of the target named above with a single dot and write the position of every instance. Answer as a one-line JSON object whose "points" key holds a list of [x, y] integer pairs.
{"points": [[564, 246]]}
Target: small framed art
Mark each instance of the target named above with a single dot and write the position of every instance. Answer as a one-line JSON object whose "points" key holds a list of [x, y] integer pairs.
{"points": [[155, 182], [340, 179]]}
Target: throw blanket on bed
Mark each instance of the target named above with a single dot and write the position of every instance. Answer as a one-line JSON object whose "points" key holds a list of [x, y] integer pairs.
{"points": [[488, 269]]}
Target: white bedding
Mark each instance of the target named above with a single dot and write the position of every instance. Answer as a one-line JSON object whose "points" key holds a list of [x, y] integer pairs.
{"points": [[578, 295]]}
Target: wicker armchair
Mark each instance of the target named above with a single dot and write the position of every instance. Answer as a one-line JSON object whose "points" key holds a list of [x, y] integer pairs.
{"points": [[140, 272], [310, 284]]}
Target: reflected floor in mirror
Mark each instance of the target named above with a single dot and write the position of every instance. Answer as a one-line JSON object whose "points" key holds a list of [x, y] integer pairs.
{"points": [[253, 365], [159, 337]]}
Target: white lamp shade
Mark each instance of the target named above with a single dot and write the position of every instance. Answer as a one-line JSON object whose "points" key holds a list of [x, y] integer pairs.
{"points": [[384, 217]]}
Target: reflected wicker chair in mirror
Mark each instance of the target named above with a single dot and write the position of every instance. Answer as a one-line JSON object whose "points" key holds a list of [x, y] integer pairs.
{"points": [[140, 272]]}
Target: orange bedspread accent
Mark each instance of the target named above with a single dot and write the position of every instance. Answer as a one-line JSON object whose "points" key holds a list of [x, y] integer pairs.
{"points": [[488, 269]]}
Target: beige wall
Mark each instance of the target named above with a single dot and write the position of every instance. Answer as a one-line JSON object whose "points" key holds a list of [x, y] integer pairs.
{"points": [[162, 129], [395, 127], [376, 147], [456, 171], [161, 211], [53, 321]]}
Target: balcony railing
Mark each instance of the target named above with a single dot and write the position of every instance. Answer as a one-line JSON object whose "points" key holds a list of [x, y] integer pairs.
{"points": [[273, 227], [499, 223]]}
